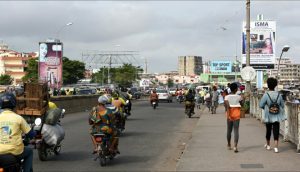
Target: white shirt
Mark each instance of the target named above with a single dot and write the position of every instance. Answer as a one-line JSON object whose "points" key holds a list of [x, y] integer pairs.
{"points": [[233, 100]]}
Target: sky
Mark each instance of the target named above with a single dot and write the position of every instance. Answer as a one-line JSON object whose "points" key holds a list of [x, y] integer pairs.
{"points": [[159, 30]]}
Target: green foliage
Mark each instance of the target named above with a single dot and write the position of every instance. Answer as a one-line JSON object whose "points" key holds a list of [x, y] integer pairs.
{"points": [[6, 79], [170, 83], [31, 71], [73, 71], [123, 76]]}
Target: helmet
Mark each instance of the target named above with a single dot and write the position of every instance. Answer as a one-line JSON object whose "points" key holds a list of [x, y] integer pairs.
{"points": [[103, 100], [109, 98], [7, 100]]}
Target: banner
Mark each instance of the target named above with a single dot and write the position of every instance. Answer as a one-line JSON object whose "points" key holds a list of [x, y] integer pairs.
{"points": [[262, 44], [220, 66], [50, 63]]}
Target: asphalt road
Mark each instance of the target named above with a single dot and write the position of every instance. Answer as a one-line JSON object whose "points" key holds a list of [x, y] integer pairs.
{"points": [[153, 141]]}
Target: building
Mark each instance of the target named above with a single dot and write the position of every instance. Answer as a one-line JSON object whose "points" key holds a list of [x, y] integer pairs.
{"points": [[190, 65], [14, 63], [289, 73]]}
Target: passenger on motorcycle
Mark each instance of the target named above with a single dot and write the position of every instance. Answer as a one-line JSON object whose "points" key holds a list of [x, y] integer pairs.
{"points": [[119, 103], [102, 122], [153, 97], [189, 100], [12, 126]]}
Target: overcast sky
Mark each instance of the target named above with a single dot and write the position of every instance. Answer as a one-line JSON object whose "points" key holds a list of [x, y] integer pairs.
{"points": [[160, 30]]}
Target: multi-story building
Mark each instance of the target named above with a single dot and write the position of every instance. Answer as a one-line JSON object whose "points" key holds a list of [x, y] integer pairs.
{"points": [[190, 65], [14, 63], [289, 73]]}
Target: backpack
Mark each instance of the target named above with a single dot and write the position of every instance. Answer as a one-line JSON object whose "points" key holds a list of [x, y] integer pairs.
{"points": [[274, 107]]}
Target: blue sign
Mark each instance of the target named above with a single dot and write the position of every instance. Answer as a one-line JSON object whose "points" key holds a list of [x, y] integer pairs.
{"points": [[220, 66]]}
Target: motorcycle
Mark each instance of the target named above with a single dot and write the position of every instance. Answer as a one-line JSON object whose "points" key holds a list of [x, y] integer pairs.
{"points": [[180, 98], [119, 123], [189, 109], [103, 144], [44, 142], [154, 104], [126, 108]]}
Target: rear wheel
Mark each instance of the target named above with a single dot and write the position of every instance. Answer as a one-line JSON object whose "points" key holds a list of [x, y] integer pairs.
{"points": [[57, 149], [42, 151], [102, 161]]}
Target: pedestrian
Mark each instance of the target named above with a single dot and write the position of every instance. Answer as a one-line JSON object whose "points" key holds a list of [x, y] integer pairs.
{"points": [[215, 99], [233, 104], [273, 105]]}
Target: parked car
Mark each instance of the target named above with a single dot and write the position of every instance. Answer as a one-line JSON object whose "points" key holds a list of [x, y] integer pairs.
{"points": [[164, 95], [85, 91]]}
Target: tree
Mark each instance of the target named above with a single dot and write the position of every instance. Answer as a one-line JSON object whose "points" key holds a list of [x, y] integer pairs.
{"points": [[6, 79], [31, 71], [73, 70], [123, 76], [170, 83]]}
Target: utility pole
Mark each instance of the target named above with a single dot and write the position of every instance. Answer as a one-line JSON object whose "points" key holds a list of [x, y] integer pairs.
{"points": [[108, 71], [248, 84]]}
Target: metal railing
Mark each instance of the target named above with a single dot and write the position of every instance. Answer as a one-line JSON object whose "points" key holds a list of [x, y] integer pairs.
{"points": [[290, 128]]}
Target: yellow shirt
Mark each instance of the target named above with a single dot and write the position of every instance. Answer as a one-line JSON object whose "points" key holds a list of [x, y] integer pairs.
{"points": [[52, 105], [12, 126]]}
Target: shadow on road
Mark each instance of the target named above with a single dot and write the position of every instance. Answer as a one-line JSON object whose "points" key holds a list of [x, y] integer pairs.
{"points": [[132, 134], [70, 156], [129, 159]]}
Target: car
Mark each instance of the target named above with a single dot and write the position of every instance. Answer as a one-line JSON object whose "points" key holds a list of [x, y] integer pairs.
{"points": [[164, 95], [85, 91], [135, 93], [172, 91]]}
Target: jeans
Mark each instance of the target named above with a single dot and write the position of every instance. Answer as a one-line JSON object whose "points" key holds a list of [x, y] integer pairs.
{"points": [[27, 155]]}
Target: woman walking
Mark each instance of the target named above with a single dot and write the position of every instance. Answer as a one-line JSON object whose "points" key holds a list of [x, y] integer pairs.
{"points": [[233, 112], [273, 105]]}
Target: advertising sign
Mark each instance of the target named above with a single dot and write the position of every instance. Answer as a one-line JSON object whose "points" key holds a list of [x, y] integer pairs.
{"points": [[144, 83], [50, 63], [262, 44], [220, 66]]}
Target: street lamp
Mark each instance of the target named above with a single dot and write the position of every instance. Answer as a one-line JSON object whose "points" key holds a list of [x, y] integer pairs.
{"points": [[56, 42], [284, 49]]}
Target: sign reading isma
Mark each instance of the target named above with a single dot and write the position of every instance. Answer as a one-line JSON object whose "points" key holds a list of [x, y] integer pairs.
{"points": [[221, 66]]}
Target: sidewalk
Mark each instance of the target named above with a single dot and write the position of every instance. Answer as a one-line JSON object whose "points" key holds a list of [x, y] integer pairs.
{"points": [[207, 150]]}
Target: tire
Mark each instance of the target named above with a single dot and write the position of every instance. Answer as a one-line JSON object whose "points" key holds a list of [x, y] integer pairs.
{"points": [[42, 151], [57, 149], [102, 161]]}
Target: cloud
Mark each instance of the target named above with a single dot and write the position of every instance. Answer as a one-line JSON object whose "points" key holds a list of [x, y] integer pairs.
{"points": [[159, 30]]}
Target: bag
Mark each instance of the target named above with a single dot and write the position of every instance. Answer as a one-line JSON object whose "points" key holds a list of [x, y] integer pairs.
{"points": [[274, 107], [53, 134], [53, 116]]}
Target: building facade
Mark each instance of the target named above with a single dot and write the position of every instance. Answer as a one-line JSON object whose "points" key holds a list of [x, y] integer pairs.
{"points": [[190, 65], [14, 63]]}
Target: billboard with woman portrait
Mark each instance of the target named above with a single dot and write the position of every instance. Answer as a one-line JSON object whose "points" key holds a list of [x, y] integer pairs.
{"points": [[50, 63], [262, 44]]}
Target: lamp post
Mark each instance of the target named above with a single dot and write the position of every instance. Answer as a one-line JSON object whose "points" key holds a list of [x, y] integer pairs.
{"points": [[56, 42], [284, 49]]}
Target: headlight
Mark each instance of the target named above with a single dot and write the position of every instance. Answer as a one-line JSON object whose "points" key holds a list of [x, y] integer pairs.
{"points": [[38, 121]]}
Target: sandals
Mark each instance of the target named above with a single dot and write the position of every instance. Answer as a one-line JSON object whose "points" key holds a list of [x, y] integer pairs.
{"points": [[235, 150]]}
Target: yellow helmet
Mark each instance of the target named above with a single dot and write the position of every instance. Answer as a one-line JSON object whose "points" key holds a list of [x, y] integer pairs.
{"points": [[52, 105]]}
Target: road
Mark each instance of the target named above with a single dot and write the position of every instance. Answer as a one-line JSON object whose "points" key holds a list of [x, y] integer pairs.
{"points": [[153, 140]]}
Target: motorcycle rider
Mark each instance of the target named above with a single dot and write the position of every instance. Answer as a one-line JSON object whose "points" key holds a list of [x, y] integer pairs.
{"points": [[119, 103], [189, 99], [153, 97], [102, 122], [12, 126]]}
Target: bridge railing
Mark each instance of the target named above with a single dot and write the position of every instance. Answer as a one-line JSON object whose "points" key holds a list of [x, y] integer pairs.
{"points": [[290, 128]]}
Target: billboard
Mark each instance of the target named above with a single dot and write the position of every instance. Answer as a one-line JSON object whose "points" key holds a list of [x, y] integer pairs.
{"points": [[220, 66], [50, 63], [144, 83], [262, 44]]}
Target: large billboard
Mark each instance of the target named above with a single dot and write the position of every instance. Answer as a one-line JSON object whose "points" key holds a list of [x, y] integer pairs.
{"points": [[262, 44], [220, 66], [50, 63]]}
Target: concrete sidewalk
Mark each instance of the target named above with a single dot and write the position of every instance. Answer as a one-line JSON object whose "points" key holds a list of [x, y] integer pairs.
{"points": [[207, 150]]}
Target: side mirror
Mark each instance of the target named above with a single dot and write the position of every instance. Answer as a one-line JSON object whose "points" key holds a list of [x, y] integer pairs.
{"points": [[63, 113]]}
